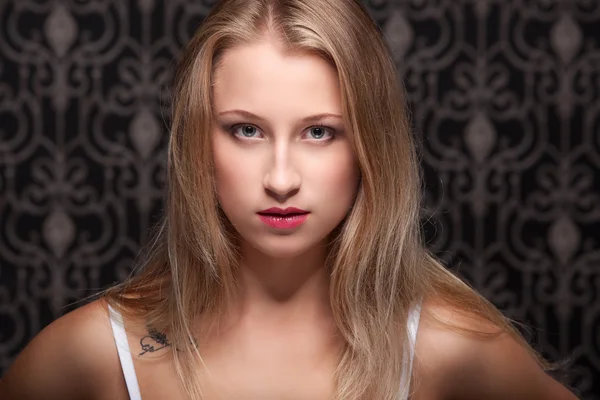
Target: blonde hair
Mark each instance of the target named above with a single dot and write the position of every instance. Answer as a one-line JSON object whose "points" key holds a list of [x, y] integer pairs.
{"points": [[378, 264]]}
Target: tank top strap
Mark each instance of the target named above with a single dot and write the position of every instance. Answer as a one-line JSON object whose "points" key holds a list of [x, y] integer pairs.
{"points": [[118, 329], [413, 322], [412, 326]]}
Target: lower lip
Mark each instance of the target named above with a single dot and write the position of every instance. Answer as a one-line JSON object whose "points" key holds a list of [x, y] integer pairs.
{"points": [[282, 222]]}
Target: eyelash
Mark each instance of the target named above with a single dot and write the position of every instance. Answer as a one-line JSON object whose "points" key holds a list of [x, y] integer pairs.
{"points": [[231, 129]]}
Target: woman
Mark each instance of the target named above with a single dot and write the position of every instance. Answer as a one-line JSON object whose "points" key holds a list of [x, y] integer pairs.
{"points": [[286, 107]]}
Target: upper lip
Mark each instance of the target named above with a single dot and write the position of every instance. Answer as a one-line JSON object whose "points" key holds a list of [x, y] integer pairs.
{"points": [[277, 210]]}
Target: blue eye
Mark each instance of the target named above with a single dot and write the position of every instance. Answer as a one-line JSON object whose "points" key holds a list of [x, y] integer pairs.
{"points": [[248, 131], [245, 131], [322, 131]]}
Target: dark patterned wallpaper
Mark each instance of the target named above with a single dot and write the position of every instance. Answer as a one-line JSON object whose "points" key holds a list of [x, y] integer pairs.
{"points": [[503, 93]]}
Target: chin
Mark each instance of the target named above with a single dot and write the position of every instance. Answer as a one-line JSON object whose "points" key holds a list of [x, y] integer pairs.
{"points": [[283, 246]]}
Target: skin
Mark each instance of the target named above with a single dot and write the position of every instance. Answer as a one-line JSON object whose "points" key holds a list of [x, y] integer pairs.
{"points": [[280, 342]]}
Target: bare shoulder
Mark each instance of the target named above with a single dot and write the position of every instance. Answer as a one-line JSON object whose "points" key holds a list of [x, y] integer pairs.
{"points": [[72, 358], [453, 365]]}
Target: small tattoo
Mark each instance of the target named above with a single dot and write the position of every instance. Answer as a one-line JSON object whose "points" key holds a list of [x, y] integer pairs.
{"points": [[154, 341]]}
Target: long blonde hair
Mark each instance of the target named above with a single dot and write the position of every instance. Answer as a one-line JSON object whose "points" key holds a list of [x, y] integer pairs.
{"points": [[378, 264]]}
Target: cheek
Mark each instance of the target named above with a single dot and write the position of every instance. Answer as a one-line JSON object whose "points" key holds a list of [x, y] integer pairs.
{"points": [[232, 175], [338, 180], [225, 166]]}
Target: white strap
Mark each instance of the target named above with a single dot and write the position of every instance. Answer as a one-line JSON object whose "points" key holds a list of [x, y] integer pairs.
{"points": [[116, 321], [412, 326]]}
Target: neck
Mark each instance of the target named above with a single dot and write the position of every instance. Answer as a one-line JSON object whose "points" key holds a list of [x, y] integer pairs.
{"points": [[287, 291], [280, 298], [276, 285]]}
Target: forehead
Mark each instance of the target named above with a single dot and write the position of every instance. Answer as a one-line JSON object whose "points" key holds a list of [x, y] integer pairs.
{"points": [[261, 77]]}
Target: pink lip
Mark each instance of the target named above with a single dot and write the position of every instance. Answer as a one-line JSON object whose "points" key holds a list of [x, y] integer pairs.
{"points": [[283, 221], [277, 210]]}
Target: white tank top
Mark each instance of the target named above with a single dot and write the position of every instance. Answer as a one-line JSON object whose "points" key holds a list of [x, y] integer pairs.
{"points": [[116, 321]]}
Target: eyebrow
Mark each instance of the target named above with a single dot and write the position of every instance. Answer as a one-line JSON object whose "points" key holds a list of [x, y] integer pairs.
{"points": [[309, 119]]}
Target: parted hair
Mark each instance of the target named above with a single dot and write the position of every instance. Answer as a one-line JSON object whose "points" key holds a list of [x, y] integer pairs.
{"points": [[376, 259]]}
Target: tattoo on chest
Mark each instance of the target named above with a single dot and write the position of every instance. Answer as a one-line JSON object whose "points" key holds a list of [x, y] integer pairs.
{"points": [[155, 341]]}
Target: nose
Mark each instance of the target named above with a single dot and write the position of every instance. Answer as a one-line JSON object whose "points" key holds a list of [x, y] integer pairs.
{"points": [[282, 180]]}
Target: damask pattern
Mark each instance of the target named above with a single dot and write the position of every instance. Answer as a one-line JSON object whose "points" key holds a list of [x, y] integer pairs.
{"points": [[504, 96]]}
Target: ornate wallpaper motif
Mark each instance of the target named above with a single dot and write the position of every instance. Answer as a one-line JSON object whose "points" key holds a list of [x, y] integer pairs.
{"points": [[504, 96]]}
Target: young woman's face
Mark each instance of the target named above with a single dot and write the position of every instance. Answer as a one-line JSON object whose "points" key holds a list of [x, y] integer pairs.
{"points": [[278, 157]]}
